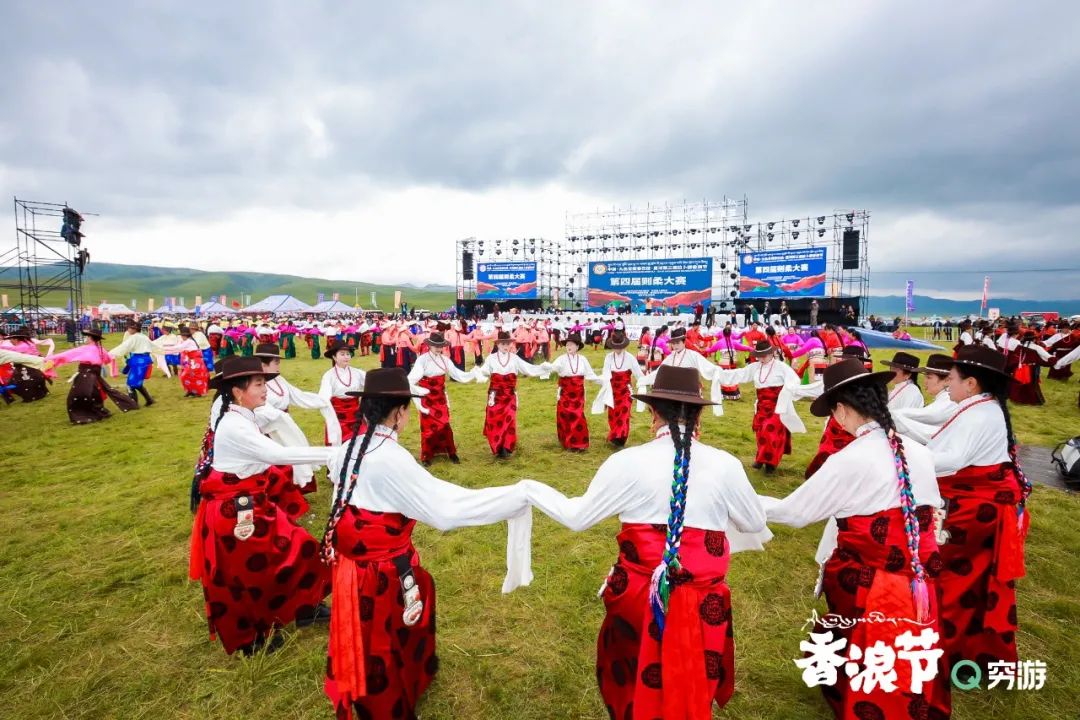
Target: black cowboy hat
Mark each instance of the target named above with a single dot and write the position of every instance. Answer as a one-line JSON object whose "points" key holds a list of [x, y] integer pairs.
{"points": [[132, 325], [842, 374], [385, 383], [503, 336], [678, 334], [903, 361], [23, 332], [574, 338], [235, 366], [937, 364], [93, 332], [980, 356], [676, 384], [333, 347], [185, 331], [855, 351], [618, 340], [763, 347], [267, 350], [436, 339]]}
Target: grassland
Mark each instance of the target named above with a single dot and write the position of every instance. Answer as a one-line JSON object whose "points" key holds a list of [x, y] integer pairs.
{"points": [[98, 619]]}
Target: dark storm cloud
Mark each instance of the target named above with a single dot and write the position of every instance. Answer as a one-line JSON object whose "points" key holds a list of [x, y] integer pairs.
{"points": [[957, 110]]}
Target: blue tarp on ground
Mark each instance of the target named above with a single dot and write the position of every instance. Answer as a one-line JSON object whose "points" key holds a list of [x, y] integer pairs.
{"points": [[877, 340]]}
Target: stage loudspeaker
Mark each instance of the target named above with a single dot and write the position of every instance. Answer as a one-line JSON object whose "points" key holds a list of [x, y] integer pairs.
{"points": [[466, 265], [851, 249]]}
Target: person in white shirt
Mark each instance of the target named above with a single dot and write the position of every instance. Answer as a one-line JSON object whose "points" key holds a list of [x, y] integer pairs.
{"points": [[240, 539], [879, 553], [620, 368], [382, 649], [573, 370], [905, 392], [500, 418], [139, 350], [337, 382], [679, 529], [429, 372], [682, 356], [986, 518], [920, 423], [771, 378]]}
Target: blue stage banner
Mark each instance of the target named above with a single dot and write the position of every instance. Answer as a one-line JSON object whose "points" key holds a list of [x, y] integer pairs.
{"points": [[506, 281], [660, 284], [798, 272]]}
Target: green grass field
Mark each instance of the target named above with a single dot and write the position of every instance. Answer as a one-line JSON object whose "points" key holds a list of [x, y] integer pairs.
{"points": [[98, 619]]}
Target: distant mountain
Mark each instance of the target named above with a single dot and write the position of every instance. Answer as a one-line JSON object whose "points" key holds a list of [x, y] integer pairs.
{"points": [[893, 305], [124, 283]]}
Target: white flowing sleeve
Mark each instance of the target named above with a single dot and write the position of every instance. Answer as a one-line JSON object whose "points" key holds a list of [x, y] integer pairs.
{"points": [[418, 494], [326, 389], [748, 528], [524, 368], [256, 448], [785, 402], [481, 373], [282, 428], [419, 368], [821, 496], [10, 356], [461, 376], [1072, 357], [1038, 349], [303, 399], [608, 494], [590, 374]]}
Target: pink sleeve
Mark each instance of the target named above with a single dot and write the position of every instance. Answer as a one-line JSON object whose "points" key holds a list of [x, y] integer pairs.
{"points": [[811, 344]]}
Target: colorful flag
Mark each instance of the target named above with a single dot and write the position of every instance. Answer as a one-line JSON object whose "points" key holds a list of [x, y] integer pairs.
{"points": [[198, 300], [336, 297], [910, 295], [321, 298], [150, 305], [986, 291]]}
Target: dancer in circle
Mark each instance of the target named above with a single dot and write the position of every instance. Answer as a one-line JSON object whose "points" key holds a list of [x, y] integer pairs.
{"points": [[258, 568], [905, 393], [430, 372], [28, 382], [573, 370], [620, 369], [921, 423], [86, 399], [879, 552], [139, 351], [665, 647], [986, 519], [500, 418], [337, 382], [382, 654]]}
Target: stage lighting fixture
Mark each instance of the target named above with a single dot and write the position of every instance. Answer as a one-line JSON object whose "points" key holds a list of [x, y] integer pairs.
{"points": [[746, 228], [70, 229], [674, 232], [723, 266], [821, 220], [515, 251], [733, 276], [795, 222], [498, 252], [733, 293], [579, 271], [498, 242], [821, 232], [850, 217], [734, 228], [795, 234], [770, 236], [771, 225], [515, 242], [723, 304], [693, 231]]}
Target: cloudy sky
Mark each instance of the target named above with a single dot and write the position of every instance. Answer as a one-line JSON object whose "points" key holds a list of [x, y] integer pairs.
{"points": [[359, 140]]}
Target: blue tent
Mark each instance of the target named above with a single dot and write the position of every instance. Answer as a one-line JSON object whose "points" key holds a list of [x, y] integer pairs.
{"points": [[878, 340]]}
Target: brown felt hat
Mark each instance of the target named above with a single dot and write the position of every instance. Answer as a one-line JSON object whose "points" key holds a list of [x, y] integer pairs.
{"points": [[842, 374], [267, 350], [903, 361], [618, 340], [385, 383], [94, 332], [503, 336], [677, 335], [436, 339], [855, 351], [675, 384], [333, 347], [763, 347], [574, 338], [937, 364], [235, 366], [980, 356]]}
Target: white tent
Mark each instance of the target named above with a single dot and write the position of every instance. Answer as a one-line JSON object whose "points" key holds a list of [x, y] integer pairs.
{"points": [[213, 307], [278, 304], [172, 310], [37, 310], [115, 309], [332, 307]]}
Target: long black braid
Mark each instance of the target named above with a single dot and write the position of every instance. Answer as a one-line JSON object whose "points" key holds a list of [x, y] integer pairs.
{"points": [[998, 386], [871, 400], [372, 412], [666, 574], [206, 455]]}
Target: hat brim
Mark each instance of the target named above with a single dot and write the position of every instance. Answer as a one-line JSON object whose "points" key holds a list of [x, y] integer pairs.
{"points": [[820, 406], [267, 355], [898, 366], [401, 394], [620, 346], [331, 352], [93, 333], [215, 382], [686, 398], [444, 343], [933, 371], [981, 366]]}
